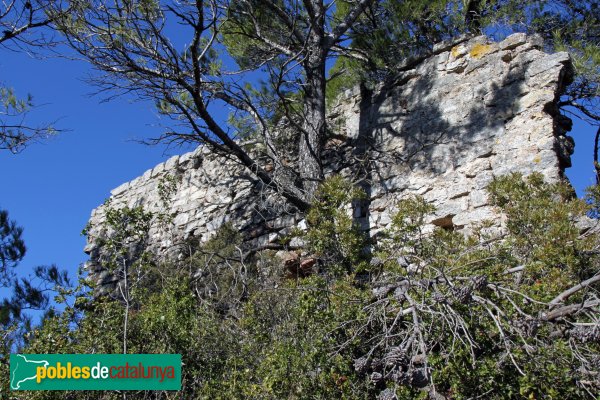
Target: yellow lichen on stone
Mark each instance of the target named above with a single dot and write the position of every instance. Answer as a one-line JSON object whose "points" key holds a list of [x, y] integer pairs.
{"points": [[479, 50], [537, 159], [455, 51]]}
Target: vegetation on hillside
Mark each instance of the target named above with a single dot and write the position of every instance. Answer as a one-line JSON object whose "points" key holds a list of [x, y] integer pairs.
{"points": [[421, 315]]}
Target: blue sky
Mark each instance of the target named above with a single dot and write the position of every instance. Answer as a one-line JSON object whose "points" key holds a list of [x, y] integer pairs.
{"points": [[51, 188]]}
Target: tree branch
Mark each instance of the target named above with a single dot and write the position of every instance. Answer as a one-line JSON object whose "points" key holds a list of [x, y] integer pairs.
{"points": [[343, 26], [569, 310], [567, 293]]}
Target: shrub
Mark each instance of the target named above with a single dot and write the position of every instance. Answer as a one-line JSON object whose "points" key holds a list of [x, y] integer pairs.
{"points": [[441, 314]]}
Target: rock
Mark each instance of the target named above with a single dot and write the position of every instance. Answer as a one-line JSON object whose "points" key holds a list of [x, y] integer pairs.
{"points": [[120, 189], [307, 265], [171, 163], [513, 41], [459, 51], [551, 61], [297, 242], [478, 215], [444, 222], [478, 198], [291, 260], [297, 268], [456, 66]]}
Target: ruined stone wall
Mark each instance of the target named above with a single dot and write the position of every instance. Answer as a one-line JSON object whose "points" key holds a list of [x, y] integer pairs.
{"points": [[443, 128]]}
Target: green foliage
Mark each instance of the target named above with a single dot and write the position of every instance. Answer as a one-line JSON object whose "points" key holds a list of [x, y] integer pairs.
{"points": [[483, 328], [27, 294], [222, 279], [573, 26], [442, 308], [592, 198], [345, 74], [124, 236], [11, 104], [395, 31], [125, 225], [389, 34], [290, 347], [167, 186], [333, 235], [173, 320], [544, 236], [14, 134], [12, 246], [239, 32], [408, 222]]}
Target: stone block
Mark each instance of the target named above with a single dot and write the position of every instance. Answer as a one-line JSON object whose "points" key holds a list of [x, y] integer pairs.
{"points": [[554, 61], [476, 216], [171, 163], [120, 189], [478, 198], [513, 41]]}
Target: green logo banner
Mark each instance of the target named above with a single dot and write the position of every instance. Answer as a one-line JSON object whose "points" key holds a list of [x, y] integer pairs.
{"points": [[95, 371]]}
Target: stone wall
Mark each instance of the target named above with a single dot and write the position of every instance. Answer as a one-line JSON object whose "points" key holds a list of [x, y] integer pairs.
{"points": [[443, 128]]}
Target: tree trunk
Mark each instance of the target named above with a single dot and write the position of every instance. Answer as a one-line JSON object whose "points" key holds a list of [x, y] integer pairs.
{"points": [[314, 125]]}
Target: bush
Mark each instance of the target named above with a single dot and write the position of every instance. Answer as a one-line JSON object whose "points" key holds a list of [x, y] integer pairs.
{"points": [[441, 314], [333, 235]]}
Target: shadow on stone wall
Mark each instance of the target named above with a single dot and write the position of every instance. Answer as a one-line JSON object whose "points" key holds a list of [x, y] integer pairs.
{"points": [[430, 122], [442, 129]]}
